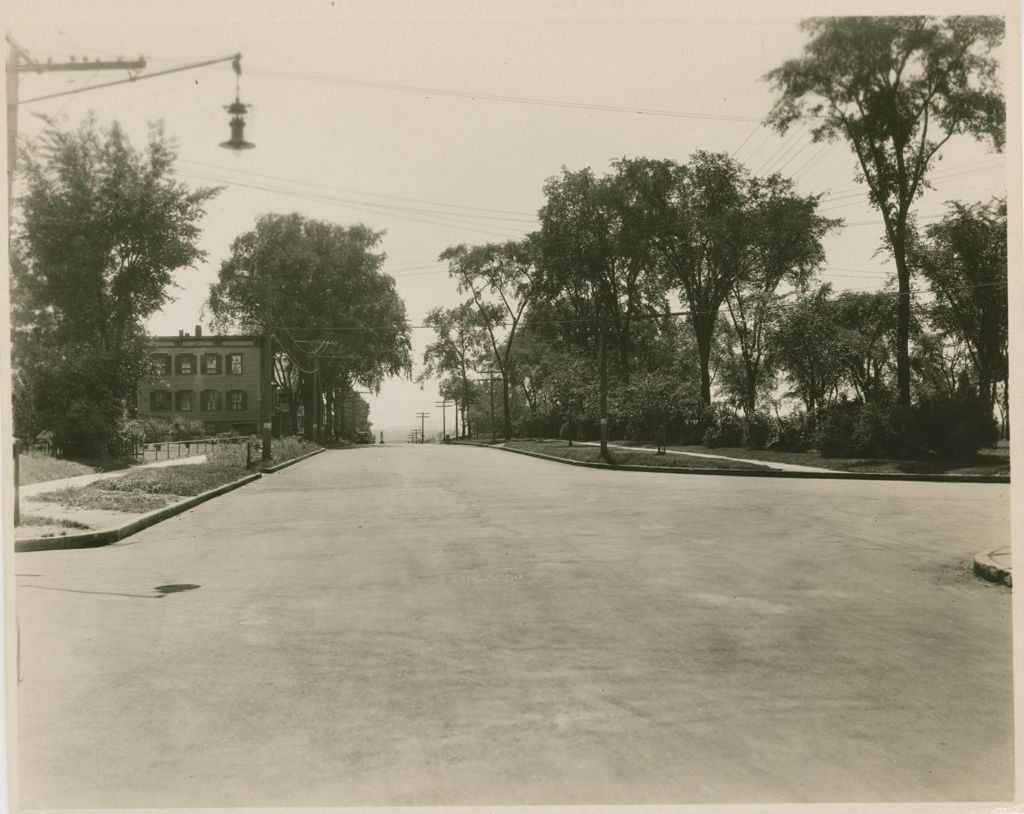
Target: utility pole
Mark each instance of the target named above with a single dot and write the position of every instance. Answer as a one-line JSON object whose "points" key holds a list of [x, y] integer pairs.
{"points": [[422, 417], [267, 392], [457, 419], [444, 403], [18, 62]]}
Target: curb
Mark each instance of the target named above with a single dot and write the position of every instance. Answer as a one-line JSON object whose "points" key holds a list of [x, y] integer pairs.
{"points": [[94, 539], [760, 473], [987, 568], [269, 470]]}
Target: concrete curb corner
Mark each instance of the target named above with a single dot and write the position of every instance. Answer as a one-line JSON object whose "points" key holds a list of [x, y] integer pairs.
{"points": [[992, 565], [94, 539], [269, 470]]}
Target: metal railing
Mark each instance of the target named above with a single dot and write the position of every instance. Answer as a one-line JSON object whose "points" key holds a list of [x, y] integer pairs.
{"points": [[168, 450]]}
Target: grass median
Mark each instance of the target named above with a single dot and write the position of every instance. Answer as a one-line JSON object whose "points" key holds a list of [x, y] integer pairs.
{"points": [[622, 457], [147, 489], [987, 462]]}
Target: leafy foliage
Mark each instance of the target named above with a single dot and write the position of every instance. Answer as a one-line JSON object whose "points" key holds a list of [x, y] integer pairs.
{"points": [[896, 89], [102, 228]]}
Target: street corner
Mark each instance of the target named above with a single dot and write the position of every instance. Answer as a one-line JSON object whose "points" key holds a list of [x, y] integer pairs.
{"points": [[995, 565]]}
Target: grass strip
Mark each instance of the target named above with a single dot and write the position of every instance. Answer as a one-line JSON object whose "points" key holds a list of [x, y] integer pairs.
{"points": [[561, 449], [35, 467]]}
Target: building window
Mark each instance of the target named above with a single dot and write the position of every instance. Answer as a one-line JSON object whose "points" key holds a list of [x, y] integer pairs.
{"points": [[159, 400], [235, 364], [236, 400], [162, 363], [211, 363], [184, 404], [186, 363], [210, 401]]}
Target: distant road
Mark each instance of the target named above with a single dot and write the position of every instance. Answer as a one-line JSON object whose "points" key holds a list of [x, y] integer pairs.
{"points": [[432, 625]]}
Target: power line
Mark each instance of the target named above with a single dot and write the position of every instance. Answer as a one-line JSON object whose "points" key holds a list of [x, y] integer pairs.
{"points": [[522, 100], [333, 188]]}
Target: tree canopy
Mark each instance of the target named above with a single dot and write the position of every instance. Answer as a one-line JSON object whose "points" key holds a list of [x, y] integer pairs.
{"points": [[101, 229], [896, 89], [321, 287]]}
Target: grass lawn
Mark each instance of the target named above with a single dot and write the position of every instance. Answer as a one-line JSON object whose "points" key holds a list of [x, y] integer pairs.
{"points": [[561, 449], [35, 467], [988, 462], [43, 520], [146, 490], [284, 449]]}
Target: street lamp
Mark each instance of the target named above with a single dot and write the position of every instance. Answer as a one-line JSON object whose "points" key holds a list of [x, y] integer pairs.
{"points": [[237, 110]]}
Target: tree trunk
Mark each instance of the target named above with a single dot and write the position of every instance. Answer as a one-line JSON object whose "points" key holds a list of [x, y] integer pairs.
{"points": [[603, 376], [308, 407], [506, 405], [902, 319], [703, 332]]}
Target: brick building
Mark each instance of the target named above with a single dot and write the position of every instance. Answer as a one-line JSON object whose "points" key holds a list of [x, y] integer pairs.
{"points": [[213, 379]]}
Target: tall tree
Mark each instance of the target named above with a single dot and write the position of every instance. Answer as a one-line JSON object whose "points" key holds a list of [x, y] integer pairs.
{"points": [[595, 257], [807, 347], [896, 89], [701, 239], [783, 234], [964, 260], [102, 228], [456, 352], [501, 280], [330, 307]]}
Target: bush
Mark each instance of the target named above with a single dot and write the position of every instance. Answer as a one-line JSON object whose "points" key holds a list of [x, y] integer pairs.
{"points": [[791, 433], [954, 427], [760, 428], [722, 428], [834, 430]]}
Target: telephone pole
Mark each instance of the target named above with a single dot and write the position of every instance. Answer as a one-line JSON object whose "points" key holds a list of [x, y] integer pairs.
{"points": [[422, 417], [444, 403], [19, 62]]}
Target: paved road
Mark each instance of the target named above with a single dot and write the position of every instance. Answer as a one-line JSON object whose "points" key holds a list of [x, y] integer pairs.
{"points": [[431, 625]]}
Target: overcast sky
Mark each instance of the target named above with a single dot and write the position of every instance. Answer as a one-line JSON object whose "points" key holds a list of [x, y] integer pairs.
{"points": [[438, 122]]}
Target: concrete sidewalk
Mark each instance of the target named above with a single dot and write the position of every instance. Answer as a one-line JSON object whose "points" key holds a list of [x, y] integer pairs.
{"points": [[31, 489]]}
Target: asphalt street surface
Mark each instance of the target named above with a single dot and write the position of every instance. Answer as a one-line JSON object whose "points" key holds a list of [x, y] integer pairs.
{"points": [[424, 625]]}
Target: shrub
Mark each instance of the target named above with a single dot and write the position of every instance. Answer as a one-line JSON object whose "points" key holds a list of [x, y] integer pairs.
{"points": [[760, 428], [835, 429], [791, 433], [954, 427], [883, 430], [722, 428]]}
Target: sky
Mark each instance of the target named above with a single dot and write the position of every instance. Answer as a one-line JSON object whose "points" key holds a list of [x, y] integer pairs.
{"points": [[437, 123]]}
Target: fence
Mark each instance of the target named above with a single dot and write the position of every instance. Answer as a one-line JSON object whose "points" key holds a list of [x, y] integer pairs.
{"points": [[167, 450]]}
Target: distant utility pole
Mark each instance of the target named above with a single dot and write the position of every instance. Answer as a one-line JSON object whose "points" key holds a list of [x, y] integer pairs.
{"points": [[444, 403], [422, 417]]}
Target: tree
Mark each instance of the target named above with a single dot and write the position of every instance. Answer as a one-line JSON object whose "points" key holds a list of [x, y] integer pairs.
{"points": [[457, 351], [896, 89], [783, 244], [964, 261], [807, 347], [595, 259], [700, 239], [501, 279], [102, 228], [332, 310], [865, 326]]}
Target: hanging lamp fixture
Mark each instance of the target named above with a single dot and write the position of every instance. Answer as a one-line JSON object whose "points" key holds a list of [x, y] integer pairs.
{"points": [[237, 110]]}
